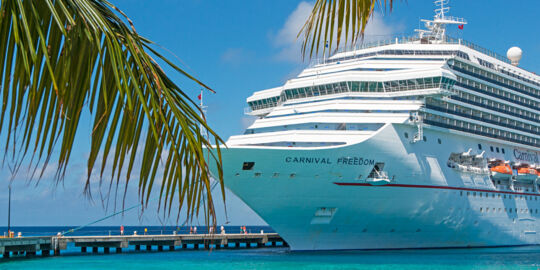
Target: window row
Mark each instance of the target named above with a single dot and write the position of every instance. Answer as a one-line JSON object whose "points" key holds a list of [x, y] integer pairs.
{"points": [[497, 93], [493, 78], [318, 126], [401, 52], [445, 122], [442, 106], [495, 106], [498, 195], [388, 86], [264, 103]]}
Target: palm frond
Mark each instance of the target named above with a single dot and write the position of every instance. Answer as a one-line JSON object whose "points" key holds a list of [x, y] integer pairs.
{"points": [[62, 57], [336, 22]]}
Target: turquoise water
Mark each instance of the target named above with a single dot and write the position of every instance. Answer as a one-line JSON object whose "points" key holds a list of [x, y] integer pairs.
{"points": [[281, 258]]}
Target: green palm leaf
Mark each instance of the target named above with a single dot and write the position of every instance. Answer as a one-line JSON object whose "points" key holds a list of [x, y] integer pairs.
{"points": [[61, 57], [334, 20]]}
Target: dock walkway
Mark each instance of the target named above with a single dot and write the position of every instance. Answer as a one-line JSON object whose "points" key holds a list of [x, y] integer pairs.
{"points": [[53, 245]]}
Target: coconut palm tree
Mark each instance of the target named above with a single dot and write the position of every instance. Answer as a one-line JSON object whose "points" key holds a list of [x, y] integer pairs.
{"points": [[63, 58], [335, 22]]}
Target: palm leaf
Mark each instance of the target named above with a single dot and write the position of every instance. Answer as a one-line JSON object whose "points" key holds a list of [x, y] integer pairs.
{"points": [[335, 20], [61, 58]]}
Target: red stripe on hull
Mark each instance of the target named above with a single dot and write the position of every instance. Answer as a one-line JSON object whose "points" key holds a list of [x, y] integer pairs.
{"points": [[435, 187]]}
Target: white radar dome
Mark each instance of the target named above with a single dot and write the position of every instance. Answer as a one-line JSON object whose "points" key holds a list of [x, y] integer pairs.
{"points": [[514, 54]]}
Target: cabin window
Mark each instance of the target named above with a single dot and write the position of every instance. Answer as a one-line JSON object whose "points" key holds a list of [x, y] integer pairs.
{"points": [[425, 139], [439, 141], [406, 135], [502, 149], [479, 147], [491, 148], [497, 148]]}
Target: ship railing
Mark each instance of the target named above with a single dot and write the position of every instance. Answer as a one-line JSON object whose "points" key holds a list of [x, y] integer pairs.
{"points": [[404, 40], [454, 19]]}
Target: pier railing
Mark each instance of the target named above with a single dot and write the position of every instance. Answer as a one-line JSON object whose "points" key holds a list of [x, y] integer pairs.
{"points": [[53, 245]]}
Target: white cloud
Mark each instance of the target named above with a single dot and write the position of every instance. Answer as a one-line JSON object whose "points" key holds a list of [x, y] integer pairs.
{"points": [[285, 39], [289, 46], [235, 56]]}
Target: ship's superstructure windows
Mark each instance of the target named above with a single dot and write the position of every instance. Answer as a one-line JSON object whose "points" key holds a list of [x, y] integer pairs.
{"points": [[494, 78], [447, 53], [479, 129], [354, 86], [484, 116], [496, 92], [312, 126]]}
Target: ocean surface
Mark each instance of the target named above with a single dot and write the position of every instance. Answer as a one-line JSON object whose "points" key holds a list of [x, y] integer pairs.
{"points": [[271, 258]]}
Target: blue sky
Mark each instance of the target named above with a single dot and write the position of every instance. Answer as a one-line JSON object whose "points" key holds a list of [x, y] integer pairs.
{"points": [[238, 47]]}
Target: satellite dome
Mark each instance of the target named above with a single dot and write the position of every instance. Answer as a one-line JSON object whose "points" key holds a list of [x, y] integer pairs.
{"points": [[514, 54]]}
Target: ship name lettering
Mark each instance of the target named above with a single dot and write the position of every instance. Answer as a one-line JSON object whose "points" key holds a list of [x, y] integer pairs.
{"points": [[526, 156], [355, 161], [307, 160]]}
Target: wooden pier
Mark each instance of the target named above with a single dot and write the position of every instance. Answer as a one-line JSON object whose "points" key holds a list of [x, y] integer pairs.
{"points": [[53, 245]]}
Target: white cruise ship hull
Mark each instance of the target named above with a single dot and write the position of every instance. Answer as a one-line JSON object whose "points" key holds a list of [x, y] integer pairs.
{"points": [[320, 199]]}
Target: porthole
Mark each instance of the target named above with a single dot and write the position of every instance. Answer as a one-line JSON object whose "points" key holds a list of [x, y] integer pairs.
{"points": [[479, 147], [439, 141], [406, 135], [258, 174], [425, 139], [316, 126], [292, 175], [276, 174]]}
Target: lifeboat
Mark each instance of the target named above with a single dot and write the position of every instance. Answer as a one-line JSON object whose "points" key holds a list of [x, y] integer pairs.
{"points": [[526, 173], [501, 171]]}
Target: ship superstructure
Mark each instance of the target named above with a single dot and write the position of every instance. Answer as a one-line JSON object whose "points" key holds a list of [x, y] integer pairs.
{"points": [[417, 142]]}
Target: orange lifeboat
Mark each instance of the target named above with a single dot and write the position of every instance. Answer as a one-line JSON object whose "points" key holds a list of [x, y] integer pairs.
{"points": [[526, 173], [501, 171]]}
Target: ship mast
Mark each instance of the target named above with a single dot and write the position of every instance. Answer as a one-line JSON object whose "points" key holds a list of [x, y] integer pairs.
{"points": [[436, 28]]}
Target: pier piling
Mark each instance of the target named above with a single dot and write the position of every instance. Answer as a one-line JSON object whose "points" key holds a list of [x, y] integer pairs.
{"points": [[30, 246]]}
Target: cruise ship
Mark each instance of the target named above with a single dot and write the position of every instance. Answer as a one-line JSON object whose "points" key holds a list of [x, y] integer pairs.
{"points": [[420, 142]]}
